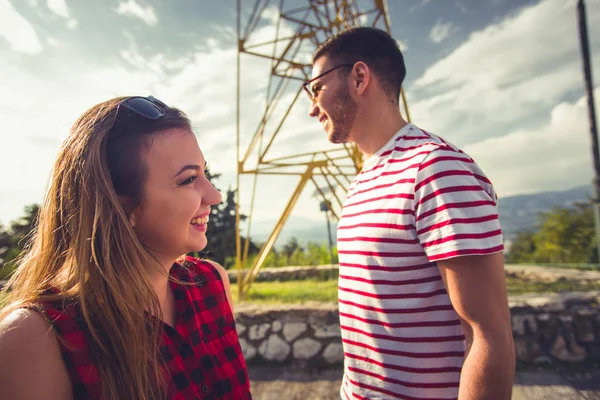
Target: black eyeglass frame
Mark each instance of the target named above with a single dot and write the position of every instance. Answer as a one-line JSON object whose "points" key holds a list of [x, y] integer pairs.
{"points": [[156, 105], [306, 84]]}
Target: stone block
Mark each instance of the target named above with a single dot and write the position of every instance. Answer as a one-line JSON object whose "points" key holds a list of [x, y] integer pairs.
{"points": [[524, 324], [327, 331], [257, 332], [274, 349], [527, 350], [248, 350], [543, 360], [567, 353], [334, 353], [586, 312], [291, 330], [565, 319], [276, 327], [241, 329], [306, 348], [584, 330], [547, 329], [545, 317]]}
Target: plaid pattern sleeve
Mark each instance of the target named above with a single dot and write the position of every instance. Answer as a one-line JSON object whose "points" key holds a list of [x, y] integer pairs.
{"points": [[202, 354]]}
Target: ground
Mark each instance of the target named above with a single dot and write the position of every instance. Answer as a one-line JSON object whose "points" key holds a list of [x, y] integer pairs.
{"points": [[272, 383]]}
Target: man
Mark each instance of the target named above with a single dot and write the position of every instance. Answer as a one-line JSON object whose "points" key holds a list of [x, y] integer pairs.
{"points": [[422, 293]]}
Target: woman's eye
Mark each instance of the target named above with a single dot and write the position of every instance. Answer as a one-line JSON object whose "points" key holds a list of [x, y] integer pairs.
{"points": [[189, 180]]}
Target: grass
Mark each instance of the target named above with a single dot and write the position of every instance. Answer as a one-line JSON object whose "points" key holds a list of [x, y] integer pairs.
{"points": [[326, 291], [290, 292]]}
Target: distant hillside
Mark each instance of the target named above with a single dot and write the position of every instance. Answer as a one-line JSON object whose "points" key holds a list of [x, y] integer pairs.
{"points": [[517, 213], [303, 229]]}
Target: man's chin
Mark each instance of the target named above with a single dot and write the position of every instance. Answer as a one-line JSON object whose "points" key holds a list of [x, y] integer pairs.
{"points": [[337, 138]]}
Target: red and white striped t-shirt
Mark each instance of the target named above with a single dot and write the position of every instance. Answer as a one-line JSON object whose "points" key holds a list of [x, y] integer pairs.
{"points": [[417, 200]]}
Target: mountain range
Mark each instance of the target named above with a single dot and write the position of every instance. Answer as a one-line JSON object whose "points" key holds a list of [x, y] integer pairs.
{"points": [[517, 213]]}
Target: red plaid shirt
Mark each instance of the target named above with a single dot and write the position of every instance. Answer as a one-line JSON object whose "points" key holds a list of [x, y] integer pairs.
{"points": [[202, 352]]}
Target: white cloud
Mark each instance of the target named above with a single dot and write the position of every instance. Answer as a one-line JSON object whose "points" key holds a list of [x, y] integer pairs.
{"points": [[131, 8], [441, 31], [418, 5], [403, 46], [505, 74], [59, 7], [554, 156], [17, 31]]}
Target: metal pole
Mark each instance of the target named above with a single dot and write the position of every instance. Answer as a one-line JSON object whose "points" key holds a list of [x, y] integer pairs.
{"points": [[329, 236], [238, 241], [326, 208], [587, 71]]}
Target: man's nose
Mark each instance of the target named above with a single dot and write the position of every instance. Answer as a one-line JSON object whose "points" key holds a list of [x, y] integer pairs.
{"points": [[313, 110]]}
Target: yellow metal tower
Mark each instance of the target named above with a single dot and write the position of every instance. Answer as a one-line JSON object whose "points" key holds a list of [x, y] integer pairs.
{"points": [[312, 22]]}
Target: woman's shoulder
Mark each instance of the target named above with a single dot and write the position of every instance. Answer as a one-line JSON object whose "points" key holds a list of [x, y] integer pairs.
{"points": [[202, 267], [24, 321], [28, 343]]}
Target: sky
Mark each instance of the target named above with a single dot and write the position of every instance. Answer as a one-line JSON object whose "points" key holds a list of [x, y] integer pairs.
{"points": [[502, 79]]}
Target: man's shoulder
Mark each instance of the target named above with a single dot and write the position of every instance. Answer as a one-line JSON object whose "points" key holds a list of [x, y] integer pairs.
{"points": [[416, 144]]}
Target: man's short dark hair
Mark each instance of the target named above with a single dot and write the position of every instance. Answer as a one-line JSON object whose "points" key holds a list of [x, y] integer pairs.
{"points": [[374, 47]]}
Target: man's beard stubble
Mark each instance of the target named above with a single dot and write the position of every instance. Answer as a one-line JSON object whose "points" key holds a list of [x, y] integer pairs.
{"points": [[342, 116]]}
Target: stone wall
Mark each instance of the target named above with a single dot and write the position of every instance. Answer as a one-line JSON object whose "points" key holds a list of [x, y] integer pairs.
{"points": [[549, 331], [287, 334], [524, 272], [557, 330]]}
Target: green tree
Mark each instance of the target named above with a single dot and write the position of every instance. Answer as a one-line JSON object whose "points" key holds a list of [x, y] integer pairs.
{"points": [[290, 248], [564, 235], [14, 238], [522, 248]]}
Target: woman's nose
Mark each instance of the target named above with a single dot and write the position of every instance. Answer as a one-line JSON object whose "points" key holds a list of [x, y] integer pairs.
{"points": [[212, 196]]}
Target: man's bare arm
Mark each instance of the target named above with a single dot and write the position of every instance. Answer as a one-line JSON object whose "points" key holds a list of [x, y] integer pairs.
{"points": [[477, 289]]}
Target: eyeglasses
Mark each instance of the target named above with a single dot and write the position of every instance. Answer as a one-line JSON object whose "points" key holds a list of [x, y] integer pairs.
{"points": [[148, 107], [306, 85]]}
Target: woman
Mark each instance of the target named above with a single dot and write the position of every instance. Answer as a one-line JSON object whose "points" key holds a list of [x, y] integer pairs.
{"points": [[103, 305]]}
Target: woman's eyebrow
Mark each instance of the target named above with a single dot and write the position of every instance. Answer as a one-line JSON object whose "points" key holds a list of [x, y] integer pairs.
{"points": [[188, 167]]}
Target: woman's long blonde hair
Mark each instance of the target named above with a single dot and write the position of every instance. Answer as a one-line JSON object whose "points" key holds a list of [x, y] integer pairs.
{"points": [[85, 252]]}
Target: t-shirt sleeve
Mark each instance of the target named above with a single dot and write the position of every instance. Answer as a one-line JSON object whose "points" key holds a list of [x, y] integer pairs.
{"points": [[455, 207]]}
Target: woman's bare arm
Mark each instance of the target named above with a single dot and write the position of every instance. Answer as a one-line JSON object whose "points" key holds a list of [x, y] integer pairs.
{"points": [[30, 359]]}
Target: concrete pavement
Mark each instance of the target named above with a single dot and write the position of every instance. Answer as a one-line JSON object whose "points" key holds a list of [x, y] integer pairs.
{"points": [[271, 383]]}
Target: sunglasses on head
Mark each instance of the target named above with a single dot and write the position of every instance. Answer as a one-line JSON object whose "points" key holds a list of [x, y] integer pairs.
{"points": [[147, 107]]}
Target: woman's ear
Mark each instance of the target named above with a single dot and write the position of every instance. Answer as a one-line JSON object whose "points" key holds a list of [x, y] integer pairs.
{"points": [[132, 214]]}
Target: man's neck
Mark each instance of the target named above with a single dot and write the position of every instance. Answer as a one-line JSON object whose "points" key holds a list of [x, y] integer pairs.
{"points": [[376, 130]]}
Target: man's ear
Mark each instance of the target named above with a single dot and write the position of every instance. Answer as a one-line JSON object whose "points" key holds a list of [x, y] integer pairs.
{"points": [[132, 214], [361, 76]]}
